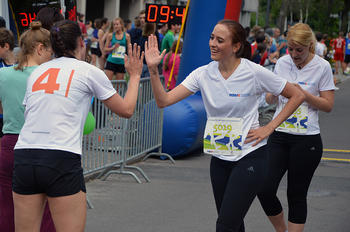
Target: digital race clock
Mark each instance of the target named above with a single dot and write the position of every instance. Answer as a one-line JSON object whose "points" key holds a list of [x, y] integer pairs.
{"points": [[157, 13], [22, 13]]}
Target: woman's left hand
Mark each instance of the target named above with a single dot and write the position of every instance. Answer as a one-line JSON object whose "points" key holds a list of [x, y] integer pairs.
{"points": [[134, 60], [259, 134]]}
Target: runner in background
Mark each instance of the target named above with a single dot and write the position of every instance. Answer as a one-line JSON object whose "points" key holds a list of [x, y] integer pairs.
{"points": [[115, 46], [347, 55], [339, 51]]}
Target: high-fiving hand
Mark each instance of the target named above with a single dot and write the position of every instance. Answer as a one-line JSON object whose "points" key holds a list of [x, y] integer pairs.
{"points": [[153, 58], [134, 61]]}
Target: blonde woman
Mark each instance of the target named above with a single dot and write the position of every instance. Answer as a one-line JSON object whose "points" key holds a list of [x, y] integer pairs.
{"points": [[35, 49], [116, 44], [296, 146]]}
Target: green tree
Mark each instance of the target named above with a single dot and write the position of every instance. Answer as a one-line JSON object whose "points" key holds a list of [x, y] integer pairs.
{"points": [[322, 15]]}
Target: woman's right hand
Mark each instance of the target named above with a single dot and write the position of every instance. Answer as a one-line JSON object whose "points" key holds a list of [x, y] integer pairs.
{"points": [[153, 58]]}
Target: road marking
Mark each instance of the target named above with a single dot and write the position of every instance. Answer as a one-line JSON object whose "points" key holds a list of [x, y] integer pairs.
{"points": [[335, 159], [337, 150]]}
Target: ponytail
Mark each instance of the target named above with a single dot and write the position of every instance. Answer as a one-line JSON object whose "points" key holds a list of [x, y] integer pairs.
{"points": [[64, 35], [247, 50]]}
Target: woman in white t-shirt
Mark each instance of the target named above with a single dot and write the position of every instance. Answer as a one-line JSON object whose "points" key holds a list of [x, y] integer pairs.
{"points": [[47, 163], [296, 145], [231, 87]]}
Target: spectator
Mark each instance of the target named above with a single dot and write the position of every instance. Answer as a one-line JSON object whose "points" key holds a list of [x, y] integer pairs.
{"points": [[168, 64], [48, 16], [347, 55], [321, 48], [2, 22], [7, 44], [259, 38], [82, 24], [148, 29], [127, 25], [169, 37], [281, 42], [119, 40], [162, 30], [259, 53], [136, 33], [339, 51], [95, 45]]}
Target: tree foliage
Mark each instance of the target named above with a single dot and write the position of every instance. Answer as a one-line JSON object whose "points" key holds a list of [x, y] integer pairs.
{"points": [[327, 16]]}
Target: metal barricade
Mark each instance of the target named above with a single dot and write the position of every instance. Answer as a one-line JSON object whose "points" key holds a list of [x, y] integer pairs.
{"points": [[117, 141]]}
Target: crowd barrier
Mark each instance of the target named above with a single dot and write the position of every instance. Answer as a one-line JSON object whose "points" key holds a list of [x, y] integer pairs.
{"points": [[117, 141]]}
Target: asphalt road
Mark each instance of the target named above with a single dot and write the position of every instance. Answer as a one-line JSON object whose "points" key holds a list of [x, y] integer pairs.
{"points": [[179, 196]]}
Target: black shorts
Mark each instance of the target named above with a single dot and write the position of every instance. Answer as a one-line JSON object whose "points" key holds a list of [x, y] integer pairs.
{"points": [[53, 172], [347, 58], [116, 68], [96, 51], [1, 124]]}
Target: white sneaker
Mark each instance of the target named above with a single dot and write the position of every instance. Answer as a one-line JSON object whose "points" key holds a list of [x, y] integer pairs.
{"points": [[336, 88]]}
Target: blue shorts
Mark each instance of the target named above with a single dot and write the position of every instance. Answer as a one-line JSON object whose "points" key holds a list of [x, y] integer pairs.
{"points": [[53, 172]]}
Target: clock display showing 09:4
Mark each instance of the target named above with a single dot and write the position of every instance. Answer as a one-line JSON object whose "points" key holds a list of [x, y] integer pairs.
{"points": [[157, 13]]}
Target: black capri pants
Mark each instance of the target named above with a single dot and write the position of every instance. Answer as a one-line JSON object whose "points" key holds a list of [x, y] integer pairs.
{"points": [[300, 156], [235, 185]]}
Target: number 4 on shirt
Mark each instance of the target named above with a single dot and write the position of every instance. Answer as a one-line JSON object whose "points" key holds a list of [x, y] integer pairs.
{"points": [[51, 85]]}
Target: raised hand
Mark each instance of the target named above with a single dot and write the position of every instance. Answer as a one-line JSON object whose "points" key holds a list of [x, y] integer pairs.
{"points": [[153, 58], [134, 61]]}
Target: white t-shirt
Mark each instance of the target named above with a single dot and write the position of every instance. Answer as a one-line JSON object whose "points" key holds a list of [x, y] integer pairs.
{"points": [[319, 49], [57, 101], [315, 77], [238, 96]]}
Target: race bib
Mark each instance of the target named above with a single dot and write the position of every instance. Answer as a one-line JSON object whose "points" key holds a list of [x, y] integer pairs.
{"points": [[93, 45], [223, 136], [119, 52], [297, 122]]}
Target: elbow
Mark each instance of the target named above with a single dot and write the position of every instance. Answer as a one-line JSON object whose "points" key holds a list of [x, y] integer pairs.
{"points": [[328, 109], [161, 105], [129, 113], [126, 115]]}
